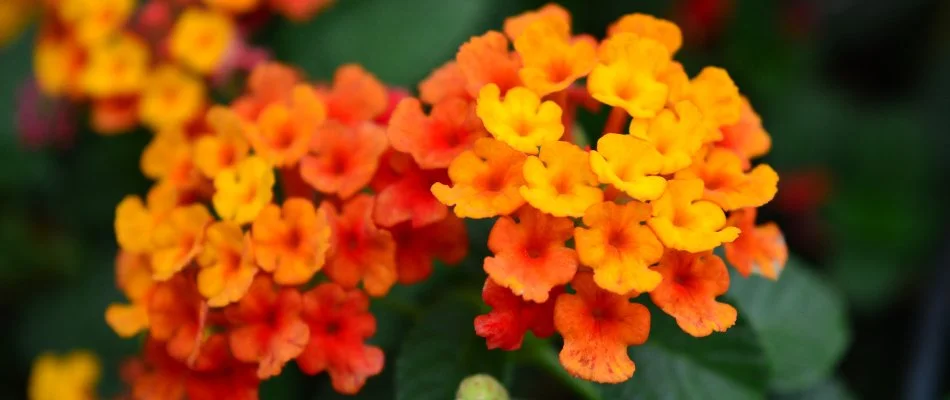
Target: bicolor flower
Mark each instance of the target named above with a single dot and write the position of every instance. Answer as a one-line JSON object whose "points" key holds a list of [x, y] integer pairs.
{"points": [[512, 317], [597, 327], [559, 181], [241, 192], [684, 222], [530, 256], [268, 328], [619, 247], [434, 140], [691, 282], [486, 181], [292, 241], [520, 119], [629, 164], [361, 251], [227, 264], [726, 185], [340, 322], [759, 249], [343, 158]]}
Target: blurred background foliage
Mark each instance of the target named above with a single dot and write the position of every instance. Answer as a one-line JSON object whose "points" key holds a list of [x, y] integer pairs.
{"points": [[853, 93]]}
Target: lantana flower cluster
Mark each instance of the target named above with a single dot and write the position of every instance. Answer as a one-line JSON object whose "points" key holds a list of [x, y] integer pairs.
{"points": [[582, 231], [267, 231], [153, 64]]}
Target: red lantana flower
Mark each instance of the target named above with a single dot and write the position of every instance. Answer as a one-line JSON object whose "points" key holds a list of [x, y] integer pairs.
{"points": [[360, 250], [511, 317], [340, 322]]}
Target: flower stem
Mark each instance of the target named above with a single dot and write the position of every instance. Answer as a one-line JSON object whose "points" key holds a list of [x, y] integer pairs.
{"points": [[293, 184], [615, 121]]}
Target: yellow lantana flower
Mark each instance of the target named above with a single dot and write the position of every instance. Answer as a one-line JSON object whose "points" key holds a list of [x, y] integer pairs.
{"points": [[69, 377], [629, 164], [650, 27], [93, 21], [171, 98], [201, 39], [521, 120], [243, 191], [677, 134], [551, 61], [178, 240], [628, 75], [226, 147], [134, 277], [227, 265], [135, 220], [618, 247], [57, 65], [727, 185], [559, 181], [684, 222], [116, 67]]}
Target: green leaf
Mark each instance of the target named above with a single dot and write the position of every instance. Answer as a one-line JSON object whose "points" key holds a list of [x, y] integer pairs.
{"points": [[540, 353], [441, 350], [399, 41], [675, 365], [800, 321], [832, 389]]}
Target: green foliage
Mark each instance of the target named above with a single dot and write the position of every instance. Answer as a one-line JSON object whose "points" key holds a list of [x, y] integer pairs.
{"points": [[800, 322], [399, 41], [441, 350], [675, 365]]}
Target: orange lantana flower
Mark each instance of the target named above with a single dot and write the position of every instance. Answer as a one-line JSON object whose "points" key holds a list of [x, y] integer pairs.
{"points": [[684, 222], [417, 249], [511, 317], [445, 82], [597, 327], [551, 14], [340, 322], [434, 140], [759, 249], [343, 159], [135, 221], [520, 119], [134, 277], [178, 240], [691, 282], [267, 329], [227, 265], [551, 60], [650, 27], [269, 83], [169, 157], [629, 164], [361, 250], [406, 196], [171, 98], [559, 181], [530, 257], [619, 247], [284, 131], [356, 96], [291, 242], [747, 138], [717, 97], [486, 59], [726, 184], [226, 147], [201, 38], [485, 181]]}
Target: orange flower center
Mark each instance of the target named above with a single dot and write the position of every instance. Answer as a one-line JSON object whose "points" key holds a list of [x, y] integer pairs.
{"points": [[559, 70]]}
